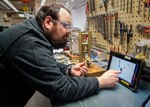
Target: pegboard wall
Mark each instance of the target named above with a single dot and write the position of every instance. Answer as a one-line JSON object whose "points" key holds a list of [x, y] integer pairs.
{"points": [[118, 24]]}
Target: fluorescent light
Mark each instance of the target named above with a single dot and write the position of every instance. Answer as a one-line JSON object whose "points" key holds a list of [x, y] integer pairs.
{"points": [[4, 5], [43, 2], [6, 1], [21, 15]]}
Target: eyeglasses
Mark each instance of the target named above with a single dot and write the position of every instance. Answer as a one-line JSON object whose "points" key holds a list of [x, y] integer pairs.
{"points": [[66, 25]]}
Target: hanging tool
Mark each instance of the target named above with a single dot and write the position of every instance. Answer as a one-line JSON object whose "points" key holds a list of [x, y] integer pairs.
{"points": [[93, 22], [121, 33], [110, 36], [105, 4], [124, 5], [116, 25], [95, 26], [139, 5], [148, 9], [107, 27], [90, 6], [127, 6], [144, 8], [131, 6], [121, 4], [118, 49], [123, 29], [93, 5], [87, 7], [129, 35], [98, 23], [103, 25], [145, 29], [146, 5], [105, 32]]}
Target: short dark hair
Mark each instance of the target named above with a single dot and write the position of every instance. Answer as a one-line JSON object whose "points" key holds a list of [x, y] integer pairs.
{"points": [[50, 9]]}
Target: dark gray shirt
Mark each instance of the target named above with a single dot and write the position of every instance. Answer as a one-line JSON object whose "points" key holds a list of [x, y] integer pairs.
{"points": [[27, 64]]}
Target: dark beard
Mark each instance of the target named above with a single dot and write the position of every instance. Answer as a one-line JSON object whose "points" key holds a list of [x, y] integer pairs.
{"points": [[56, 44]]}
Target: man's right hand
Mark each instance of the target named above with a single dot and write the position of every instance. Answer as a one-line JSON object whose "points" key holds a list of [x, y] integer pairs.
{"points": [[109, 79]]}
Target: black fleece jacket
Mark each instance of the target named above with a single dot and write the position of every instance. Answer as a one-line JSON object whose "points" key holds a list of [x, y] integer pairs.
{"points": [[27, 64]]}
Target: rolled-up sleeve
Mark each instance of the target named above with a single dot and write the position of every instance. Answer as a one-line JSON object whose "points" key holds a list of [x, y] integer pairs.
{"points": [[35, 65]]}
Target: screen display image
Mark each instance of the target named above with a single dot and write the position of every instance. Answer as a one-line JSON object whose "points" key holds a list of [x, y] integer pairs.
{"points": [[127, 68], [130, 67], [148, 104]]}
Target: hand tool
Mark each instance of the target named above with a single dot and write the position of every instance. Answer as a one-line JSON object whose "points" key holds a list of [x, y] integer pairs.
{"points": [[139, 5], [129, 35], [131, 6], [143, 28], [127, 6], [105, 4], [124, 3], [110, 36], [116, 25]]}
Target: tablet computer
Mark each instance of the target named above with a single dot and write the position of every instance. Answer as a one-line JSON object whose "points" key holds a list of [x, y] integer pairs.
{"points": [[130, 69], [146, 103]]}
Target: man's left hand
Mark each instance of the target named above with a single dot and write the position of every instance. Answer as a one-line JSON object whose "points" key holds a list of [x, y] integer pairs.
{"points": [[79, 69]]}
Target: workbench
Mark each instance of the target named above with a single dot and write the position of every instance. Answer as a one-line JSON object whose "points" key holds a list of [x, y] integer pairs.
{"points": [[120, 96], [116, 97]]}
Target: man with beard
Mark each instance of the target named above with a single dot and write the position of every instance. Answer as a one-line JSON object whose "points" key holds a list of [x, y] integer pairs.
{"points": [[27, 63]]}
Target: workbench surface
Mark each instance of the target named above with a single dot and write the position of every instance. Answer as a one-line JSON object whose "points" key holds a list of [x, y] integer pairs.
{"points": [[116, 97]]}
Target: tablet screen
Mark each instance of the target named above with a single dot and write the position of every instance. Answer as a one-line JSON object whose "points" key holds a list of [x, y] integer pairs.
{"points": [[130, 69]]}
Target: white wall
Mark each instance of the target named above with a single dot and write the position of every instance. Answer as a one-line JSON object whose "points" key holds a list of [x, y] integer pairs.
{"points": [[1, 18], [79, 17]]}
